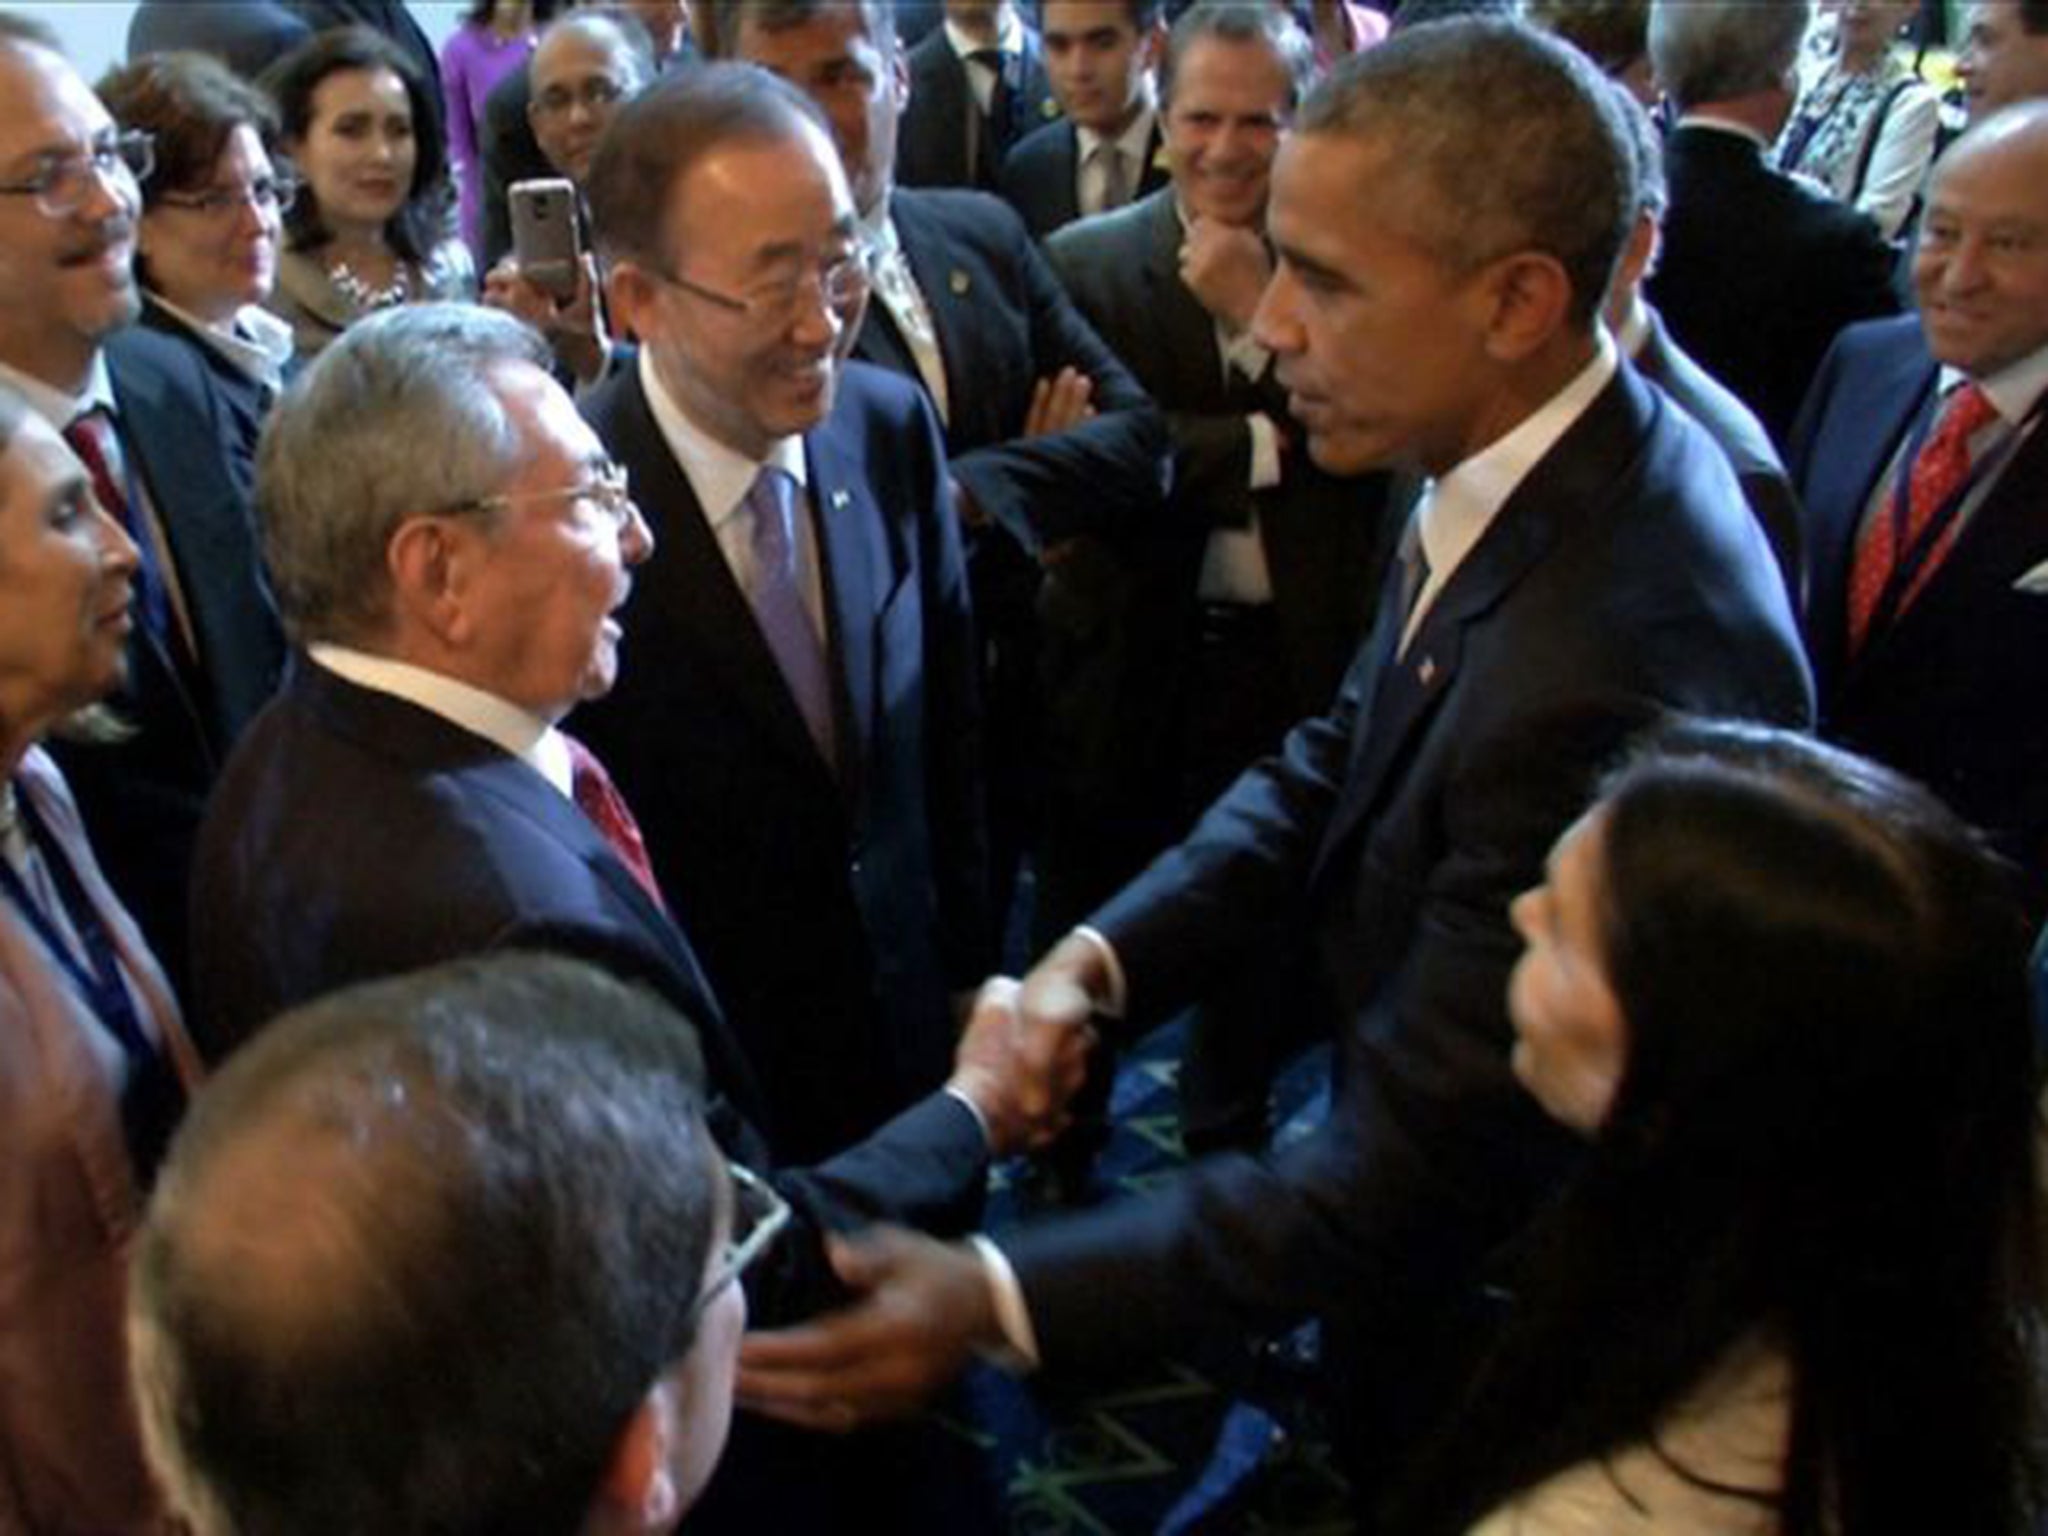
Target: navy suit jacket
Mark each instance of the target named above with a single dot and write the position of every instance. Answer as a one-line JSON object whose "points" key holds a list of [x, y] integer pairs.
{"points": [[143, 796], [1004, 323], [1742, 437], [931, 148], [834, 910], [1040, 175], [244, 401], [1758, 273], [356, 835], [1624, 577], [1955, 692], [1326, 539]]}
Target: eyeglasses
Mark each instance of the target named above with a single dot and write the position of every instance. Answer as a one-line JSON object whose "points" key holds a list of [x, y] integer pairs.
{"points": [[61, 183], [266, 194], [838, 281], [606, 490], [593, 95], [759, 1213]]}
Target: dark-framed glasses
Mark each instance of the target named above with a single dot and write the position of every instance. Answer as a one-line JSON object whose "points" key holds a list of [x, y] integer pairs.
{"points": [[266, 194], [759, 1213], [837, 281], [593, 94], [606, 490], [61, 183]]}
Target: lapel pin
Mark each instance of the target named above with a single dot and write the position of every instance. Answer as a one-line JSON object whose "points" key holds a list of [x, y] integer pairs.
{"points": [[839, 498], [1425, 671], [959, 283]]}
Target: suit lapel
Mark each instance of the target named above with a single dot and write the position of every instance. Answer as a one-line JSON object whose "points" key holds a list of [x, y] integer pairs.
{"points": [[1407, 690], [1187, 332], [947, 286], [854, 577], [690, 586]]}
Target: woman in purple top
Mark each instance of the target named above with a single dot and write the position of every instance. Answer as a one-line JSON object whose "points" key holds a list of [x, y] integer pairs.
{"points": [[494, 40]]}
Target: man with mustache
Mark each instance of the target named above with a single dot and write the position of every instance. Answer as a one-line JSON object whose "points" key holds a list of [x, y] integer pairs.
{"points": [[152, 429]]}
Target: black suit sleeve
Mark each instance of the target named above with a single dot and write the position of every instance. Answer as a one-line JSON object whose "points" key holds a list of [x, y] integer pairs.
{"points": [[1102, 475]]}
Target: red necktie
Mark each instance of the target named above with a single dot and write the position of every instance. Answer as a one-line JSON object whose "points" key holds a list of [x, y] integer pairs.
{"points": [[1937, 477], [91, 437], [597, 797]]}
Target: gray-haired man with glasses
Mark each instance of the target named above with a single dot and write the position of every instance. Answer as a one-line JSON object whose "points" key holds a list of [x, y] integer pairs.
{"points": [[152, 429], [454, 550]]}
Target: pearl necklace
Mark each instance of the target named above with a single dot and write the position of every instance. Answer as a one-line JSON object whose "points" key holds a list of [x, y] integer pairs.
{"points": [[361, 296]]}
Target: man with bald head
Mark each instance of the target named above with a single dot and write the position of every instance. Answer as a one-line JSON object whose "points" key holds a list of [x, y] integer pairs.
{"points": [[1581, 560], [1924, 473]]}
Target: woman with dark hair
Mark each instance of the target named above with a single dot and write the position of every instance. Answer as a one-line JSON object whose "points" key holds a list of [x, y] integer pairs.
{"points": [[1793, 1288], [370, 227], [93, 1059], [212, 219]]}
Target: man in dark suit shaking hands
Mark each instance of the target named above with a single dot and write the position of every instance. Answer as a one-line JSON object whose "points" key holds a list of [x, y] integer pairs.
{"points": [[1586, 561]]}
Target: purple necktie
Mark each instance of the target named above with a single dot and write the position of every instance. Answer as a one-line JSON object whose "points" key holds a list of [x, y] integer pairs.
{"points": [[779, 607]]}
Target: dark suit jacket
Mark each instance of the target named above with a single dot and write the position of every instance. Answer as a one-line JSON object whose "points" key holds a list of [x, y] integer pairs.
{"points": [[932, 141], [1004, 323], [1759, 273], [1623, 577], [1039, 176], [244, 401], [1326, 539], [143, 796], [247, 35], [834, 911], [510, 153], [1955, 693], [355, 835], [1742, 437]]}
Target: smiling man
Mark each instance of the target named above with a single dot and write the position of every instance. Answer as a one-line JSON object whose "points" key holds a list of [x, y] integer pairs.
{"points": [[143, 414], [1924, 473], [1589, 562]]}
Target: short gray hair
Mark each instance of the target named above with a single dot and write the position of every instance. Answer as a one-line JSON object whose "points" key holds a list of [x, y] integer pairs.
{"points": [[1717, 50], [617, 30], [1241, 21], [1444, 98], [389, 421]]}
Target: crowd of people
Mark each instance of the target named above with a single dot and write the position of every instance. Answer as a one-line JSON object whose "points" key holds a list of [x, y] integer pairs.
{"points": [[553, 818]]}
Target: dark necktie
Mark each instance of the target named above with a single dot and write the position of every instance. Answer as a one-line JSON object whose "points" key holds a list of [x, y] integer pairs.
{"points": [[998, 126], [779, 607], [598, 798], [1935, 482], [91, 436]]}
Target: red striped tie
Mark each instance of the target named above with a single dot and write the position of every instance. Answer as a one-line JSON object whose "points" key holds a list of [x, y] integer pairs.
{"points": [[597, 797]]}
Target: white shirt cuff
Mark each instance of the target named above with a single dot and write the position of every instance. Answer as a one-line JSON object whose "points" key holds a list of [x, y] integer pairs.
{"points": [[1117, 1002], [1018, 1354], [1265, 451], [974, 1109]]}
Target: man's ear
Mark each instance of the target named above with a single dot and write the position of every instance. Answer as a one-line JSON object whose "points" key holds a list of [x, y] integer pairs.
{"points": [[428, 563], [1531, 297], [638, 1492], [630, 295]]}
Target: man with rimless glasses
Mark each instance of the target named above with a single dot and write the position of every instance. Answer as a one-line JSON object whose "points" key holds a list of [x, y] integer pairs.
{"points": [[450, 1252], [152, 428]]}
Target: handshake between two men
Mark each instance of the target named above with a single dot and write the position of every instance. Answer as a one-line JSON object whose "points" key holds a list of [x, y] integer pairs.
{"points": [[923, 1307]]}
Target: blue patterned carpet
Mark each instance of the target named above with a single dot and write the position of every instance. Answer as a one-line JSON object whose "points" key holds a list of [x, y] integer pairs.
{"points": [[1170, 1453]]}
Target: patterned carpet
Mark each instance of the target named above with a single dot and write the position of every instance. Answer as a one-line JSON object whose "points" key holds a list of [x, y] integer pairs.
{"points": [[1170, 1453]]}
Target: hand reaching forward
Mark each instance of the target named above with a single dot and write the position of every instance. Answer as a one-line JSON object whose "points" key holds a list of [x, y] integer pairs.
{"points": [[921, 1308]]}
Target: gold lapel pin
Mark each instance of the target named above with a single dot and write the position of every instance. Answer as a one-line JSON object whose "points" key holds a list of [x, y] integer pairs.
{"points": [[959, 282]]}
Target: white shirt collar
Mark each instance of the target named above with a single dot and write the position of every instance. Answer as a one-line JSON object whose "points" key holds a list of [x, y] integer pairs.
{"points": [[257, 342], [1634, 334], [1131, 143], [1457, 509], [1721, 124], [720, 476], [60, 407], [527, 737], [1009, 34], [2014, 390]]}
